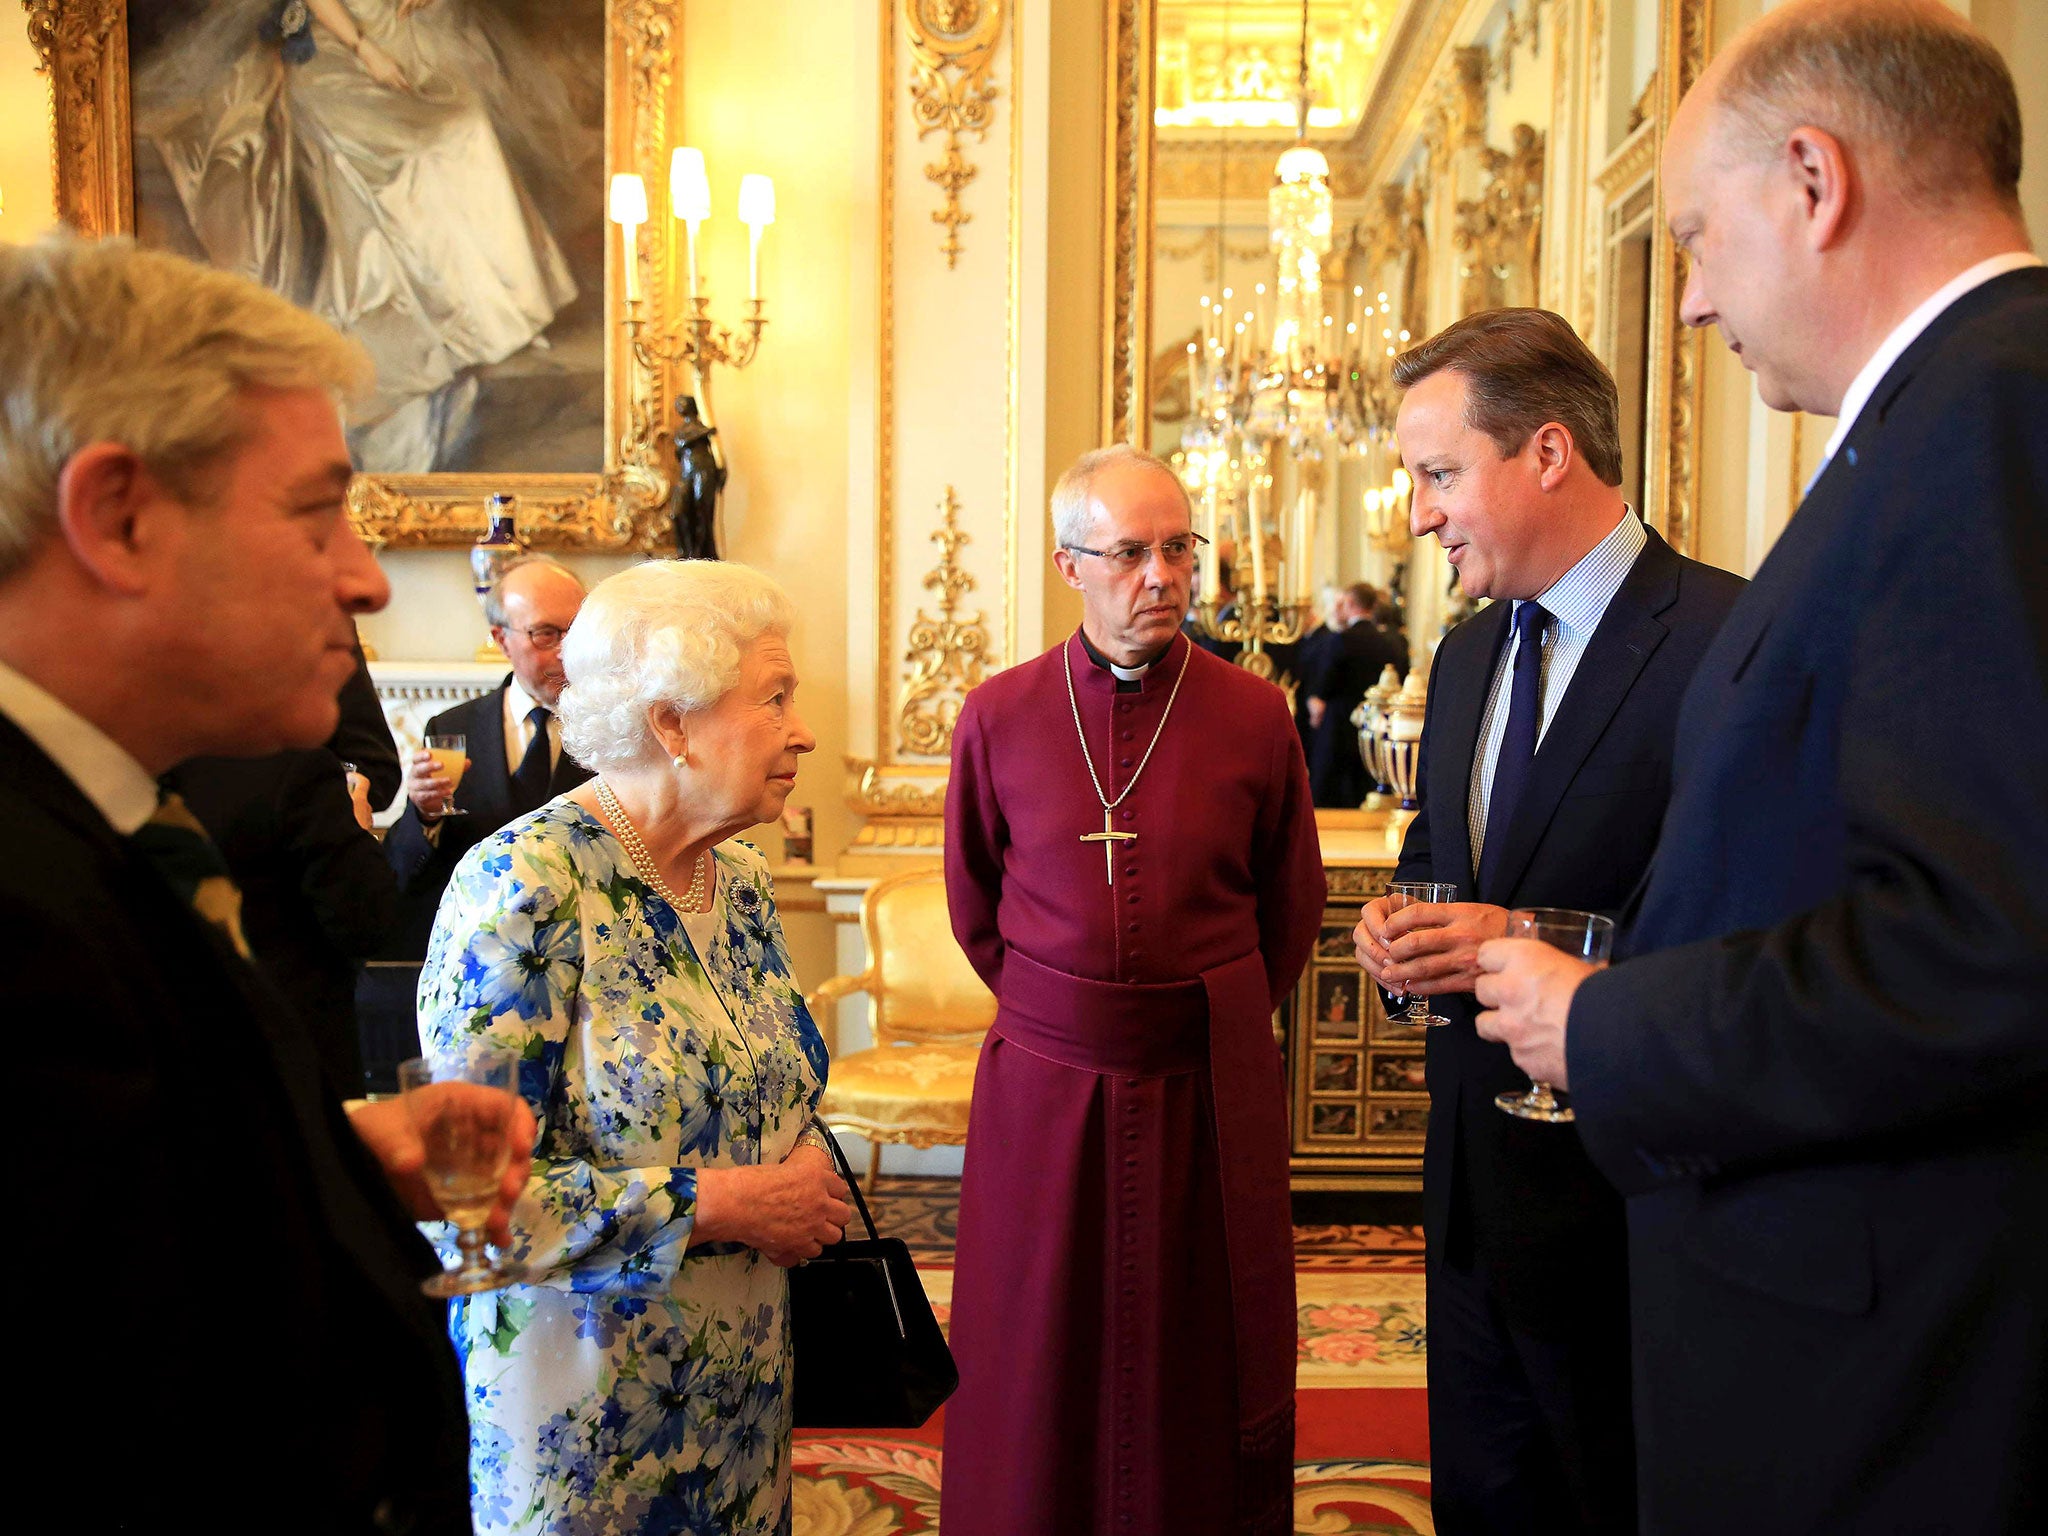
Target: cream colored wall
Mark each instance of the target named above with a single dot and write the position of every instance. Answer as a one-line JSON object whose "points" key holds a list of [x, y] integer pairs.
{"points": [[26, 198]]}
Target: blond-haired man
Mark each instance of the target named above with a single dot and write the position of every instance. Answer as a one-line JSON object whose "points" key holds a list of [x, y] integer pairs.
{"points": [[178, 577], [1821, 1078]]}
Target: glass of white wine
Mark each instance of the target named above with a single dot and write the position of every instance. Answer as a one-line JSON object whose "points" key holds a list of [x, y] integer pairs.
{"points": [[451, 755], [462, 1103], [1586, 935]]}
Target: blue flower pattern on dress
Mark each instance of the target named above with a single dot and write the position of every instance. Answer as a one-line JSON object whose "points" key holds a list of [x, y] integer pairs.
{"points": [[634, 1384]]}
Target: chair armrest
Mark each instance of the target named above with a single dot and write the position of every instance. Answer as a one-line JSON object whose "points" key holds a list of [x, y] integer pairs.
{"points": [[824, 1003]]}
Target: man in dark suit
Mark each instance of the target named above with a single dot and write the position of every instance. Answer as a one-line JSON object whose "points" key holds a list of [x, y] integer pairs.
{"points": [[317, 896], [516, 765], [1546, 764], [1335, 684], [190, 595], [1822, 1076]]}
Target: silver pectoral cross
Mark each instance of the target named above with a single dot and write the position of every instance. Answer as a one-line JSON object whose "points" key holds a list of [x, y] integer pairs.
{"points": [[1109, 838]]}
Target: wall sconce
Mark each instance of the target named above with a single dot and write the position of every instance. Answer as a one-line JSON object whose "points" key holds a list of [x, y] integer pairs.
{"points": [[698, 344]]}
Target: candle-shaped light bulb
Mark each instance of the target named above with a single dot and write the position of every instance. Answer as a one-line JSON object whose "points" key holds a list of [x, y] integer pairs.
{"points": [[757, 212], [1403, 481], [689, 198], [627, 205], [689, 188]]}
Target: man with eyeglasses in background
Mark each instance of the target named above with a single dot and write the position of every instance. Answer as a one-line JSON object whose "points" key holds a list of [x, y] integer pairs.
{"points": [[516, 765], [1132, 867]]}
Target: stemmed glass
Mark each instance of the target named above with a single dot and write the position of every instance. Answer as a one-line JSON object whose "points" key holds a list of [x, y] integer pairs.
{"points": [[1587, 935], [463, 1105], [1409, 893], [451, 753]]}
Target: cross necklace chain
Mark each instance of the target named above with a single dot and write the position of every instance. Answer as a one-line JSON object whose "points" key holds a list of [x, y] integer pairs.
{"points": [[1109, 837]]}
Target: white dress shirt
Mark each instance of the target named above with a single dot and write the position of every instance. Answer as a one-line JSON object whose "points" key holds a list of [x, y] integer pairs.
{"points": [[519, 730], [1908, 330], [1575, 602], [109, 777]]}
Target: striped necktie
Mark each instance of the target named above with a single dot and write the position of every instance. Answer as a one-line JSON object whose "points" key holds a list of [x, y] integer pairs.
{"points": [[179, 848]]}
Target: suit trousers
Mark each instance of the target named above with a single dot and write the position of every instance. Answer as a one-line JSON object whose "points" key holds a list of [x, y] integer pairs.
{"points": [[1528, 1432]]}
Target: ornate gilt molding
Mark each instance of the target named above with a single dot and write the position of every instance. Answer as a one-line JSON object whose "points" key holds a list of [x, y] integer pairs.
{"points": [[902, 806], [947, 654], [83, 46], [1127, 223], [951, 45], [1673, 462], [1500, 232]]}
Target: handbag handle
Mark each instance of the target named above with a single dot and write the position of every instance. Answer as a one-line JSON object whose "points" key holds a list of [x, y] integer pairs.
{"points": [[846, 1173]]}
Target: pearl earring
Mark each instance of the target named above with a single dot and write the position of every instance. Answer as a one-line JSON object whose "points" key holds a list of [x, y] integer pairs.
{"points": [[680, 761]]}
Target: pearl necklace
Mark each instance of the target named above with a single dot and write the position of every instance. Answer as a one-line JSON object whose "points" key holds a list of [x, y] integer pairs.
{"points": [[696, 899]]}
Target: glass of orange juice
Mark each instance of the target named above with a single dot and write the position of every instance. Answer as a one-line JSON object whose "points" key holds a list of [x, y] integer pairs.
{"points": [[451, 755]]}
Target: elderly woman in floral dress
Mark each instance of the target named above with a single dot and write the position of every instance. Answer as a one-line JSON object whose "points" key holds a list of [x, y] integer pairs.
{"points": [[639, 1379]]}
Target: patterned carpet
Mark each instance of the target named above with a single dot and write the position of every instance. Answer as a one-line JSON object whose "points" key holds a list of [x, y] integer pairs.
{"points": [[1361, 1439]]}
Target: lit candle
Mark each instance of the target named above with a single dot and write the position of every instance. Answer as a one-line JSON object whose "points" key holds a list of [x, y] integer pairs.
{"points": [[757, 212], [1255, 531], [628, 205], [689, 196]]}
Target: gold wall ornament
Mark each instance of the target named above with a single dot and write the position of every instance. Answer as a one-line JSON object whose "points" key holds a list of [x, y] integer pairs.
{"points": [[948, 654], [1672, 472], [951, 45], [83, 46], [1500, 232]]}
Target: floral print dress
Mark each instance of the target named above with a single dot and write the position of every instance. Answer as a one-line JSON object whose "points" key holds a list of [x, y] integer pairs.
{"points": [[636, 1383]]}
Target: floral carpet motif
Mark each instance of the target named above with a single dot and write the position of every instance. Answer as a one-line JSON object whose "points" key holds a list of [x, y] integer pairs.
{"points": [[1359, 1378]]}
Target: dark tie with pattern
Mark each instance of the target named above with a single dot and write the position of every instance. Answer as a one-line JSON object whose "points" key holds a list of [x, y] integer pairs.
{"points": [[530, 779], [181, 851], [1517, 742]]}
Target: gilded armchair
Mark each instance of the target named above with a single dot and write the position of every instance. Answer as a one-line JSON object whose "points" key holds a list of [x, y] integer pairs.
{"points": [[929, 1012]]}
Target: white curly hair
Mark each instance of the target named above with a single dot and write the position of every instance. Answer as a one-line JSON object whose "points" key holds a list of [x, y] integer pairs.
{"points": [[666, 632]]}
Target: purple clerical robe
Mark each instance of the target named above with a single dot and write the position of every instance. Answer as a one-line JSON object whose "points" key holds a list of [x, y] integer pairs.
{"points": [[1123, 1305]]}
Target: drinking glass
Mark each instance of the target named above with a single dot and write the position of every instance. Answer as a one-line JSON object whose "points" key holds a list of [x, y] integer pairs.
{"points": [[462, 1103], [1587, 935], [452, 754], [1409, 893]]}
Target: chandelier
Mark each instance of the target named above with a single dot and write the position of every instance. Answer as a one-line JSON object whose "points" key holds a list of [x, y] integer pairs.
{"points": [[1286, 383]]}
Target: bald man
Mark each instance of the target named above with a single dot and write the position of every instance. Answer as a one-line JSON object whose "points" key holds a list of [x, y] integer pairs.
{"points": [[1822, 1077]]}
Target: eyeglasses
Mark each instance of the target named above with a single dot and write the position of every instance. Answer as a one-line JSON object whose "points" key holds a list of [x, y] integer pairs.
{"points": [[543, 637], [1126, 559]]}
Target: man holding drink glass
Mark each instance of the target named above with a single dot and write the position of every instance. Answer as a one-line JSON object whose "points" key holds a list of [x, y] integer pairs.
{"points": [[178, 577], [1544, 772]]}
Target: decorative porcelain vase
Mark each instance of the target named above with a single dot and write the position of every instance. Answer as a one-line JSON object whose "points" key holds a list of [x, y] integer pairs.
{"points": [[489, 556]]}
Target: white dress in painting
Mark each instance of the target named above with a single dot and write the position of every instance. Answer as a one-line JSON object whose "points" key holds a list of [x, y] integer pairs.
{"points": [[390, 211]]}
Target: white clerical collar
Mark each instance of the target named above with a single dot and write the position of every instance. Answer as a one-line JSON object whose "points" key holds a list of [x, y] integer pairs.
{"points": [[1908, 331], [1129, 674], [101, 767]]}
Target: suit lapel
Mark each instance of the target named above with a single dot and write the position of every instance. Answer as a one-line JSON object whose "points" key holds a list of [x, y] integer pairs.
{"points": [[1456, 737], [1628, 635], [488, 775]]}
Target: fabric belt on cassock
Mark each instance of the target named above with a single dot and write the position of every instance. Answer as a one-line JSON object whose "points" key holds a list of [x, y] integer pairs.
{"points": [[1221, 1022]]}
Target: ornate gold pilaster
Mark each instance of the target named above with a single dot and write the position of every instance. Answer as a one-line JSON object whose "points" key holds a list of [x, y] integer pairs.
{"points": [[1673, 467], [1127, 222], [947, 655], [951, 45]]}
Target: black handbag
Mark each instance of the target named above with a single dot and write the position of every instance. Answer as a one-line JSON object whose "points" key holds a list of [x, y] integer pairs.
{"points": [[868, 1353]]}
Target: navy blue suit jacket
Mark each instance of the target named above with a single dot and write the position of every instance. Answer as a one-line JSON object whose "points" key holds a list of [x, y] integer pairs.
{"points": [[485, 792], [1824, 1081], [282, 1369], [1518, 1199]]}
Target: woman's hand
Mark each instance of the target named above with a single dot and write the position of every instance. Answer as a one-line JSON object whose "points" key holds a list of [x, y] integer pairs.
{"points": [[380, 66], [789, 1211]]}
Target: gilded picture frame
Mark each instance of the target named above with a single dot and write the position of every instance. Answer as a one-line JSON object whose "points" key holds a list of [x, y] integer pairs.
{"points": [[83, 46]]}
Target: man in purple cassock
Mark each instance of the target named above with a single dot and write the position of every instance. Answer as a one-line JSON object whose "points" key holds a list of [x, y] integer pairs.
{"points": [[1132, 867]]}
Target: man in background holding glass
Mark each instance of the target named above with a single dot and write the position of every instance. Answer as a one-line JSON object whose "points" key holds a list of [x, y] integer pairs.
{"points": [[1546, 763], [240, 1340]]}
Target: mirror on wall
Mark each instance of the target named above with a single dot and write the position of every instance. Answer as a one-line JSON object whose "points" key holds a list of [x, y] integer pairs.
{"points": [[1301, 233]]}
